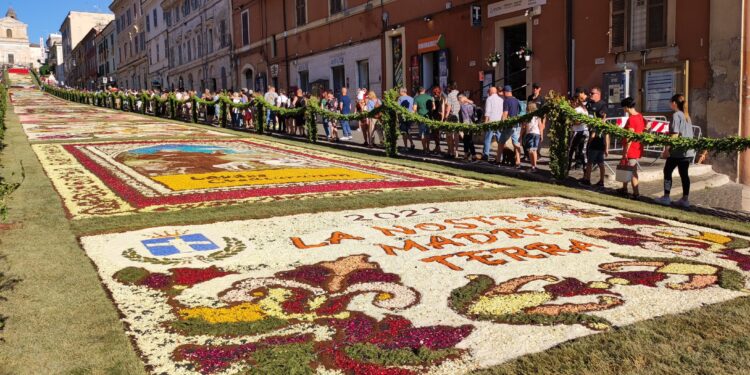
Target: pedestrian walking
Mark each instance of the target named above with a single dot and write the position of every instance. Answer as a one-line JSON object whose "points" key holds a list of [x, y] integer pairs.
{"points": [[270, 97], [423, 105], [511, 109], [467, 117], [375, 126], [345, 107], [493, 111], [454, 110], [299, 102], [597, 147], [404, 126], [366, 124], [579, 140], [282, 102], [332, 105], [532, 135], [632, 150], [536, 97], [439, 113], [679, 127]]}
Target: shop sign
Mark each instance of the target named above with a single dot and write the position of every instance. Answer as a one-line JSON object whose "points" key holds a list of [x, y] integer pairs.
{"points": [[337, 60], [431, 44], [476, 15], [509, 6], [275, 70], [660, 85]]}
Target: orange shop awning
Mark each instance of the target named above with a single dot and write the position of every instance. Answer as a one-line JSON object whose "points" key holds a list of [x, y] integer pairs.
{"points": [[431, 44]]}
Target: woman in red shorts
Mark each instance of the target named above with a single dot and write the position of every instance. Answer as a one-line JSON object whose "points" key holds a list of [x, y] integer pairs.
{"points": [[632, 150]]}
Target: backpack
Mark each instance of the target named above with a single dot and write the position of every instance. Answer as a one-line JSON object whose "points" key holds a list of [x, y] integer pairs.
{"points": [[478, 116]]}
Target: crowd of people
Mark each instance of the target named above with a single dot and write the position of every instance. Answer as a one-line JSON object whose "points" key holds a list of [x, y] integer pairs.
{"points": [[588, 148]]}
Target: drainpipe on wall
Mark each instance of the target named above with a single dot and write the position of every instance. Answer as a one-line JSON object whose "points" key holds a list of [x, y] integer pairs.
{"points": [[744, 160], [571, 45], [286, 50]]}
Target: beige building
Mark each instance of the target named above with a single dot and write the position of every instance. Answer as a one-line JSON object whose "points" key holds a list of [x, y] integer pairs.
{"points": [[156, 43], [54, 56], [199, 39], [130, 31], [14, 42], [106, 56], [75, 26]]}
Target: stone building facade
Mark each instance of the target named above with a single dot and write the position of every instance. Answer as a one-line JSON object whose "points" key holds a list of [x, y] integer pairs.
{"points": [[132, 63], [14, 42], [106, 56], [75, 26], [199, 44], [156, 43]]}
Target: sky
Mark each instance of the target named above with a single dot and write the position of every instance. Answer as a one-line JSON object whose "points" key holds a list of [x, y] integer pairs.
{"points": [[46, 16]]}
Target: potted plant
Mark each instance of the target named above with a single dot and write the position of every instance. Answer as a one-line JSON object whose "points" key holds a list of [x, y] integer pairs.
{"points": [[493, 59], [525, 53]]}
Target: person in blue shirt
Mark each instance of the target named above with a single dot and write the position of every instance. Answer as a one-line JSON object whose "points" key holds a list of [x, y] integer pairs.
{"points": [[407, 102], [511, 108], [345, 107]]}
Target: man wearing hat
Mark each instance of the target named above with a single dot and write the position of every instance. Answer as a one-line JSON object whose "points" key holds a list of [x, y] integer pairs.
{"points": [[536, 97]]}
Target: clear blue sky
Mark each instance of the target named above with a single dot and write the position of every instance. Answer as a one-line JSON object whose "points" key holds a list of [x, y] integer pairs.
{"points": [[46, 16]]}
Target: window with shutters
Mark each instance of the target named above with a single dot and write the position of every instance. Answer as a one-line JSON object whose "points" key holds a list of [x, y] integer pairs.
{"points": [[656, 24], [336, 6], [245, 28], [618, 25], [223, 40], [301, 12], [638, 24]]}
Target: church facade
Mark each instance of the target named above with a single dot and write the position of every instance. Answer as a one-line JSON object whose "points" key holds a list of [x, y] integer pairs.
{"points": [[14, 43]]}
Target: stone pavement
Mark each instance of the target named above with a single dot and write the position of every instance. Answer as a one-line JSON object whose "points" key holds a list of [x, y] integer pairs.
{"points": [[711, 193]]}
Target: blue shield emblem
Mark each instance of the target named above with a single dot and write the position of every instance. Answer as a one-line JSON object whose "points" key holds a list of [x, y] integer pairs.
{"points": [[182, 244]]}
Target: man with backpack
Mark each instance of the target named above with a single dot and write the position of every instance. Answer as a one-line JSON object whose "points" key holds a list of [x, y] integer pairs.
{"points": [[469, 114]]}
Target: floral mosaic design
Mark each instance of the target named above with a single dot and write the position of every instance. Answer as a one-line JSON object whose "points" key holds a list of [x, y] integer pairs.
{"points": [[68, 121], [443, 289], [484, 299], [97, 179], [317, 294]]}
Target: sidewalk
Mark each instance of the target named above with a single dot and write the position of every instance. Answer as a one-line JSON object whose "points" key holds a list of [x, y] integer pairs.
{"points": [[711, 193]]}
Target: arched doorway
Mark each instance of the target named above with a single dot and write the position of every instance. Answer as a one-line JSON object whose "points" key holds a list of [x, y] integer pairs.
{"points": [[249, 79], [224, 78]]}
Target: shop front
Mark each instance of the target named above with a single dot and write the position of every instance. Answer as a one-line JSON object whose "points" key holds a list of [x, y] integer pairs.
{"points": [[433, 60]]}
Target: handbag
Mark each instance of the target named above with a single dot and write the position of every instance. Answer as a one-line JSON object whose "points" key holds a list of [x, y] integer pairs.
{"points": [[624, 172]]}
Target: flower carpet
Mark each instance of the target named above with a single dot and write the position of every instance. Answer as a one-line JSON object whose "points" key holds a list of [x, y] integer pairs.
{"points": [[114, 178], [443, 288], [69, 121]]}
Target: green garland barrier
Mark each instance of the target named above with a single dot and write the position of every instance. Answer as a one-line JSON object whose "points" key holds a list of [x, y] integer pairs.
{"points": [[559, 113], [559, 136]]}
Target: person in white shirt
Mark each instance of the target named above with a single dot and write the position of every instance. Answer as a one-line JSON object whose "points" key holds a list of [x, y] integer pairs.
{"points": [[532, 135], [283, 102], [493, 111]]}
